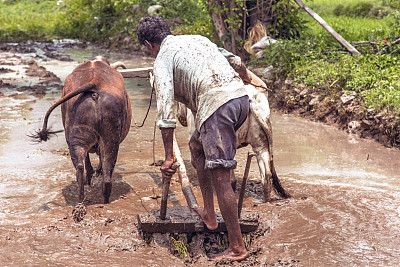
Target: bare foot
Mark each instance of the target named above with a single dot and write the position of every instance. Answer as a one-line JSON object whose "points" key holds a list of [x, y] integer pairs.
{"points": [[230, 254], [209, 221]]}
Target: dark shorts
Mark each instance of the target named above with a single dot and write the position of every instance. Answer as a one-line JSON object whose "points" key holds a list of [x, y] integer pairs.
{"points": [[218, 133]]}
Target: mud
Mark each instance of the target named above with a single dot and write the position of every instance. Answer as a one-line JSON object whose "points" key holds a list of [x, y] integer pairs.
{"points": [[324, 224]]}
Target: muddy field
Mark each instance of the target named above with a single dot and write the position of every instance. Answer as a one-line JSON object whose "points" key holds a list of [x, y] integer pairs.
{"points": [[335, 217]]}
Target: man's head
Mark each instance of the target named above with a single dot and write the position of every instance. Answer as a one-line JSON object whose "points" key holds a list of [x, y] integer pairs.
{"points": [[153, 30]]}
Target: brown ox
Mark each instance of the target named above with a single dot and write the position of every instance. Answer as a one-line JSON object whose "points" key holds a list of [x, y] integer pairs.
{"points": [[96, 114]]}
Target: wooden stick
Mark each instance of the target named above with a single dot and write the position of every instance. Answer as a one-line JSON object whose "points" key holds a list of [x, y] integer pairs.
{"points": [[183, 178], [243, 187], [164, 198], [136, 73], [328, 28]]}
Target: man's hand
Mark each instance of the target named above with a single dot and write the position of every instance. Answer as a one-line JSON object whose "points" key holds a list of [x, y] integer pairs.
{"points": [[168, 168]]}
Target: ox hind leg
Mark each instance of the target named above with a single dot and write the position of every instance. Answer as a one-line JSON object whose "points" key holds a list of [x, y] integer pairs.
{"points": [[108, 158], [78, 157], [261, 141], [89, 170], [268, 175], [265, 172], [80, 142]]}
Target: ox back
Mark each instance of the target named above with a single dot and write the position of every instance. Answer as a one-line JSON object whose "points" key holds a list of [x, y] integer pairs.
{"points": [[95, 121], [96, 114]]}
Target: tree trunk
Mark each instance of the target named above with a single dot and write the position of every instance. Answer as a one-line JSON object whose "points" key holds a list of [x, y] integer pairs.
{"points": [[232, 29], [219, 24]]}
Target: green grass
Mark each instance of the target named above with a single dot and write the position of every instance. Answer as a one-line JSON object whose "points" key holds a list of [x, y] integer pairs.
{"points": [[352, 28], [24, 19], [327, 7], [355, 29], [318, 62], [375, 78]]}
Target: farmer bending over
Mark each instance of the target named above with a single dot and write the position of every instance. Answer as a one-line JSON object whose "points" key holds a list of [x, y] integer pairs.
{"points": [[192, 70]]}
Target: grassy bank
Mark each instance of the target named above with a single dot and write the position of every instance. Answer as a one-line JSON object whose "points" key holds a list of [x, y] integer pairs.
{"points": [[375, 75], [320, 74], [28, 20]]}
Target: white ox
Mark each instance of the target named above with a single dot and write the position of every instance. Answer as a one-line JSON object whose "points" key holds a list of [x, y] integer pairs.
{"points": [[256, 131]]}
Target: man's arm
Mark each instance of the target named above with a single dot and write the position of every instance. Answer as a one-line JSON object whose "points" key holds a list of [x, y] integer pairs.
{"points": [[237, 64], [168, 137], [244, 74], [164, 87]]}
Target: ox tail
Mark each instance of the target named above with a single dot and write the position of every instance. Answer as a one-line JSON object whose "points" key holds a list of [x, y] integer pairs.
{"points": [[45, 133], [266, 126]]}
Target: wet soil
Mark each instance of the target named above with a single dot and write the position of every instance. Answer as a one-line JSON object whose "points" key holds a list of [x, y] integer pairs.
{"points": [[321, 225]]}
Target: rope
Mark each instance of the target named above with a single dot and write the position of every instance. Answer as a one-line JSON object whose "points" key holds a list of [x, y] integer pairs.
{"points": [[261, 86], [147, 113]]}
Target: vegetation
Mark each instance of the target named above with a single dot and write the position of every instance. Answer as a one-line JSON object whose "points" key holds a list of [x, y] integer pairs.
{"points": [[28, 20], [318, 61], [109, 22]]}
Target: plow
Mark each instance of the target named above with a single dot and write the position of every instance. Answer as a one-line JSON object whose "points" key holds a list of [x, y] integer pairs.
{"points": [[184, 219]]}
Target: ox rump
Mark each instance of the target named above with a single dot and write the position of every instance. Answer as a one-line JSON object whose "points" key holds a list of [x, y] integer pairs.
{"points": [[96, 114]]}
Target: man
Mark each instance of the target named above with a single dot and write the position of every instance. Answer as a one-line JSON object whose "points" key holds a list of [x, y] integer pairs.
{"points": [[192, 70]]}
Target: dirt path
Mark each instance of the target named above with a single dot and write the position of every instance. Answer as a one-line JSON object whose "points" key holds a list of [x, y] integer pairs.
{"points": [[320, 226]]}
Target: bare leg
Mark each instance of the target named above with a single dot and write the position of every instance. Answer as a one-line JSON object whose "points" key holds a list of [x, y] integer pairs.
{"points": [[233, 180], [198, 159], [228, 206]]}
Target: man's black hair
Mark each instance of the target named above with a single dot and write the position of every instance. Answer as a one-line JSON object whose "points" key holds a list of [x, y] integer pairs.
{"points": [[152, 29]]}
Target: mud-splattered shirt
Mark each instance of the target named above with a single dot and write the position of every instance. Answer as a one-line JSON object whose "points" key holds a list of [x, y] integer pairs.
{"points": [[192, 70]]}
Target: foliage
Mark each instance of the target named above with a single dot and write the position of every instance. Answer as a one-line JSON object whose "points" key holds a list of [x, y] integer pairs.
{"points": [[281, 19], [100, 20], [353, 8], [23, 20], [395, 25], [114, 22], [374, 78], [187, 17], [201, 27], [359, 10], [285, 21], [188, 11], [179, 243], [318, 61], [362, 29], [391, 3], [284, 54]]}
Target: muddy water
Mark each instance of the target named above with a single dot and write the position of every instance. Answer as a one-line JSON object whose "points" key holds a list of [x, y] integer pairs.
{"points": [[319, 154], [344, 211]]}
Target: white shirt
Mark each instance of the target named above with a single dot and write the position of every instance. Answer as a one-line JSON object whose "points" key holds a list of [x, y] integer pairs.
{"points": [[192, 70]]}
